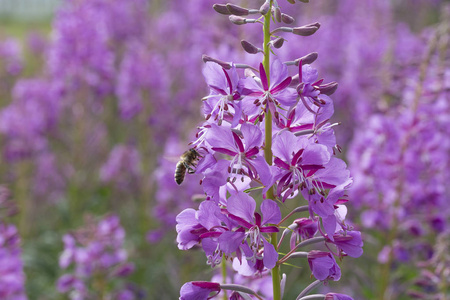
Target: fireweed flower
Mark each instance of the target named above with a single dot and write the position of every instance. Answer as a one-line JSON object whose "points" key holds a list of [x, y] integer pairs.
{"points": [[94, 252], [311, 90], [296, 159], [304, 228], [223, 84], [12, 277], [241, 209], [199, 290], [334, 296], [259, 95], [309, 167], [243, 148], [323, 265]]}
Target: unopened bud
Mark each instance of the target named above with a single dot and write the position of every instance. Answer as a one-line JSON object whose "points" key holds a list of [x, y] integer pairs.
{"points": [[221, 63], [264, 9], [240, 21], [277, 14], [304, 1], [306, 30], [277, 43], [307, 59], [287, 19], [249, 48], [237, 10], [291, 1], [221, 9], [237, 20], [329, 88]]}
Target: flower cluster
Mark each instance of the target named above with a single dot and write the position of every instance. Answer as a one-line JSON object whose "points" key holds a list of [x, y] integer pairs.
{"points": [[400, 158], [267, 134], [12, 277], [98, 262]]}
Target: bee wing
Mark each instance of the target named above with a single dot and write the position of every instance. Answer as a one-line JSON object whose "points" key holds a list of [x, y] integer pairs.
{"points": [[171, 158]]}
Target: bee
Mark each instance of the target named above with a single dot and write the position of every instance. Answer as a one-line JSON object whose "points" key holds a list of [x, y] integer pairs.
{"points": [[186, 163]]}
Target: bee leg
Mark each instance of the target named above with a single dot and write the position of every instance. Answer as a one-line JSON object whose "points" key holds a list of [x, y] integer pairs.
{"points": [[189, 168]]}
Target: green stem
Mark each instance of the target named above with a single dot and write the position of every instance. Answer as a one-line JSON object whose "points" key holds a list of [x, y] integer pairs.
{"points": [[224, 275], [268, 147]]}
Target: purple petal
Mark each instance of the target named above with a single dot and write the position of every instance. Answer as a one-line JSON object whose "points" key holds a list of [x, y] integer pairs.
{"points": [[278, 72], [287, 97], [206, 214], [198, 290], [284, 145], [221, 137], [329, 223], [252, 136], [214, 77], [315, 154], [264, 171], [271, 212], [270, 255], [242, 205], [229, 241], [335, 173], [249, 87], [309, 74]]}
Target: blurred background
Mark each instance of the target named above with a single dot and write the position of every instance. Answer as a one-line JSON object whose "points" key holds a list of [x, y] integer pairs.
{"points": [[98, 98]]}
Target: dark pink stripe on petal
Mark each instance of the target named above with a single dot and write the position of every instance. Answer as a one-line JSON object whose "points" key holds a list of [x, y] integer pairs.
{"points": [[269, 229], [251, 152], [224, 151], [284, 84], [263, 76], [238, 142], [229, 81], [281, 163]]}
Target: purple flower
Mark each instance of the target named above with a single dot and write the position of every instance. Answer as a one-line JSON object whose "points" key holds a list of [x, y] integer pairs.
{"points": [[244, 148], [298, 161], [305, 229], [258, 92], [12, 277], [123, 167], [350, 242], [221, 104], [323, 265], [199, 290], [92, 252], [334, 296], [310, 88], [241, 209]]}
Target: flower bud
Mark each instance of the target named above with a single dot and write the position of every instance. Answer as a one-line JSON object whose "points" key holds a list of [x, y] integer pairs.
{"points": [[304, 1], [306, 30], [237, 20], [277, 43], [223, 64], [249, 48], [221, 9], [291, 1], [277, 14], [287, 19], [307, 59], [264, 9], [237, 10], [329, 88], [240, 21]]}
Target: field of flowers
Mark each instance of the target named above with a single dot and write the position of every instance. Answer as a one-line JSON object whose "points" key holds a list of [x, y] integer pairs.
{"points": [[320, 161]]}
